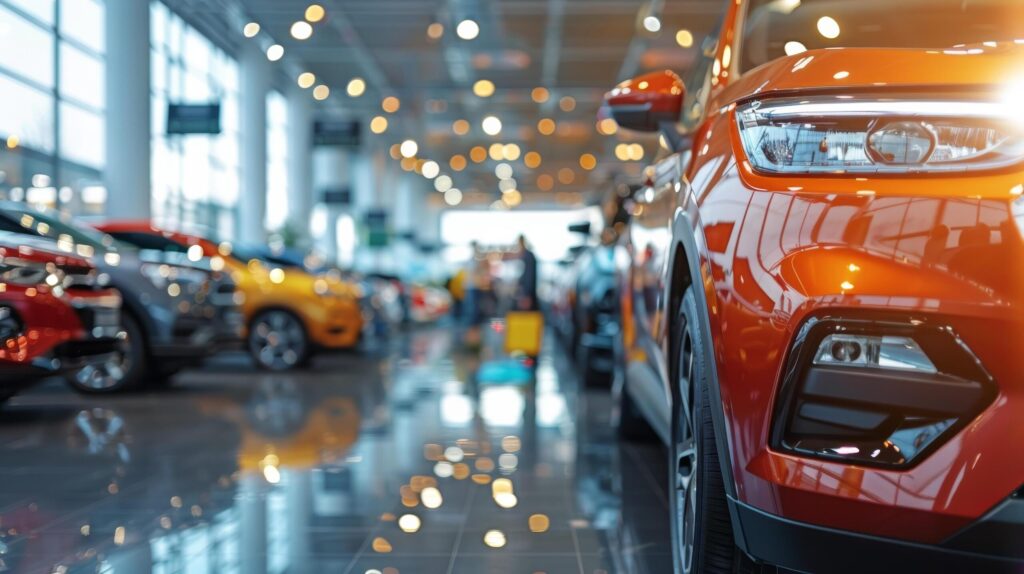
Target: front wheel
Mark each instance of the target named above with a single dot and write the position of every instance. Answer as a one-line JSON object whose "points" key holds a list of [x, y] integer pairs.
{"points": [[122, 371], [278, 340], [702, 536]]}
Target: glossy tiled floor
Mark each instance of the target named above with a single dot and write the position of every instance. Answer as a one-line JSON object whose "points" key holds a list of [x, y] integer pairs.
{"points": [[395, 461]]}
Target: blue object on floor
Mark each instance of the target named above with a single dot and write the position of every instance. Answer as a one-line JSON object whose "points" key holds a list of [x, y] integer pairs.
{"points": [[504, 371]]}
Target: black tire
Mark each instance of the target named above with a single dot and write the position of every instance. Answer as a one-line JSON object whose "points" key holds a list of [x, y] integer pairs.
{"points": [[702, 534], [278, 341], [124, 372]]}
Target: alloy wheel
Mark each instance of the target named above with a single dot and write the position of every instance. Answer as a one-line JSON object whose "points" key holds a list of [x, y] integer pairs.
{"points": [[109, 373], [685, 484], [278, 340]]}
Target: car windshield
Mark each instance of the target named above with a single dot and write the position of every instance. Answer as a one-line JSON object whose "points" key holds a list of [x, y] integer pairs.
{"points": [[775, 28], [52, 226]]}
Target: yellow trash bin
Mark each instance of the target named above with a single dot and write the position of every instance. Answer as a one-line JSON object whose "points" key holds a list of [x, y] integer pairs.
{"points": [[523, 332]]}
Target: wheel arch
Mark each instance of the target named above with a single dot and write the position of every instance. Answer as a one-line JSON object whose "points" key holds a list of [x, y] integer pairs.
{"points": [[684, 271]]}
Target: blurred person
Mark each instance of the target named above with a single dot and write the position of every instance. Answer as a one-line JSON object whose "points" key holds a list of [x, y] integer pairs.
{"points": [[526, 292]]}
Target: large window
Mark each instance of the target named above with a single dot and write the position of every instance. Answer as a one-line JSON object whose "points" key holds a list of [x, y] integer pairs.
{"points": [[52, 99], [196, 178], [277, 161]]}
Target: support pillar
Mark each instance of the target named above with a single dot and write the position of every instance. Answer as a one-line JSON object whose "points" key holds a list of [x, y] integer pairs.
{"points": [[301, 196], [331, 171], [127, 174], [255, 83]]}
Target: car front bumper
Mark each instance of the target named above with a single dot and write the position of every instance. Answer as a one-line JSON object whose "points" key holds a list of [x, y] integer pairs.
{"points": [[992, 545]]}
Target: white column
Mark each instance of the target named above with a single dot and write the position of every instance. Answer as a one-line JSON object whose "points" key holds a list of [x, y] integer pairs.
{"points": [[255, 83], [127, 174], [301, 197]]}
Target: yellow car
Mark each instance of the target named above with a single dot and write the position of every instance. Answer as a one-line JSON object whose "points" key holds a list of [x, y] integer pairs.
{"points": [[290, 313]]}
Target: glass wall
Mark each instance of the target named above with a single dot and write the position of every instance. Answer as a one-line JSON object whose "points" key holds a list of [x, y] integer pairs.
{"points": [[196, 178], [52, 101], [277, 161]]}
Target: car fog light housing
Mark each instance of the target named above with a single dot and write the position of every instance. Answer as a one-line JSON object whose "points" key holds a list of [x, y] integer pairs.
{"points": [[884, 352], [877, 391]]}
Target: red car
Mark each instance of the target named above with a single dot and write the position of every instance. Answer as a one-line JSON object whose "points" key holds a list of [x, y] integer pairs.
{"points": [[56, 315], [833, 352]]}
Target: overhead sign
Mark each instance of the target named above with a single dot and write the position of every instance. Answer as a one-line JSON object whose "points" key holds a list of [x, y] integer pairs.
{"points": [[337, 196], [377, 232], [342, 133], [193, 119]]}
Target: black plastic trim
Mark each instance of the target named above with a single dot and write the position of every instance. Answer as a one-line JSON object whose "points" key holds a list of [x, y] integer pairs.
{"points": [[963, 386], [809, 548]]}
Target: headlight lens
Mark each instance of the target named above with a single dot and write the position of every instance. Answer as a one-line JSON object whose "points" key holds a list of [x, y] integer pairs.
{"points": [[877, 136]]}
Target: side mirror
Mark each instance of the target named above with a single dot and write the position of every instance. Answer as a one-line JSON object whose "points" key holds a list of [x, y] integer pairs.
{"points": [[646, 103], [581, 228]]}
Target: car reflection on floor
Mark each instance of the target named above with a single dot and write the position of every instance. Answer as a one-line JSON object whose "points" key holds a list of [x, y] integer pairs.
{"points": [[403, 461]]}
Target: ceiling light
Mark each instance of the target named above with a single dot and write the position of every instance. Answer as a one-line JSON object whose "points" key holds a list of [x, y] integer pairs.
{"points": [[453, 197], [532, 160], [828, 27], [566, 175], [491, 125], [356, 87], [568, 104], [540, 95], [467, 29], [636, 152], [321, 92], [545, 182], [546, 126], [652, 24], [301, 30], [430, 169], [458, 162], [793, 48], [478, 154], [409, 148], [315, 13], [684, 38], [409, 523], [588, 161], [251, 29], [510, 152], [390, 104], [512, 197], [275, 52], [503, 171], [496, 152], [435, 31], [460, 127], [306, 80], [379, 125], [607, 126], [483, 88], [622, 152], [443, 183]]}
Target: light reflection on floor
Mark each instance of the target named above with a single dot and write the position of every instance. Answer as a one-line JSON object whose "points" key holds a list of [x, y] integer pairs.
{"points": [[399, 462]]}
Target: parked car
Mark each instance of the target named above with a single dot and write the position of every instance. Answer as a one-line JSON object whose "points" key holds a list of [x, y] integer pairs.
{"points": [[289, 313], [57, 315], [174, 315], [832, 348]]}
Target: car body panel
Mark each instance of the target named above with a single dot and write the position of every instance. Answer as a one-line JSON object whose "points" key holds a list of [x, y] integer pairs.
{"points": [[333, 320], [773, 251]]}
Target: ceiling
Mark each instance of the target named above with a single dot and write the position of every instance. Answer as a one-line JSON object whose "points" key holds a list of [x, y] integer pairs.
{"points": [[573, 48]]}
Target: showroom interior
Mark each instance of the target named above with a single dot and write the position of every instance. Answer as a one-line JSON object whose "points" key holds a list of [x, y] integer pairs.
{"points": [[511, 286]]}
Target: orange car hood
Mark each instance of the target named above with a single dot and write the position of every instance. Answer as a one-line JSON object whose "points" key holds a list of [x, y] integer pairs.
{"points": [[866, 68]]}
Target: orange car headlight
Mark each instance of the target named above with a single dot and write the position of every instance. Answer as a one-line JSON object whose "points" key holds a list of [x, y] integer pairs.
{"points": [[848, 134]]}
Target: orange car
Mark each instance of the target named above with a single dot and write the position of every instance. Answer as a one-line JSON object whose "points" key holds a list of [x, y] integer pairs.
{"points": [[290, 313], [833, 354]]}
